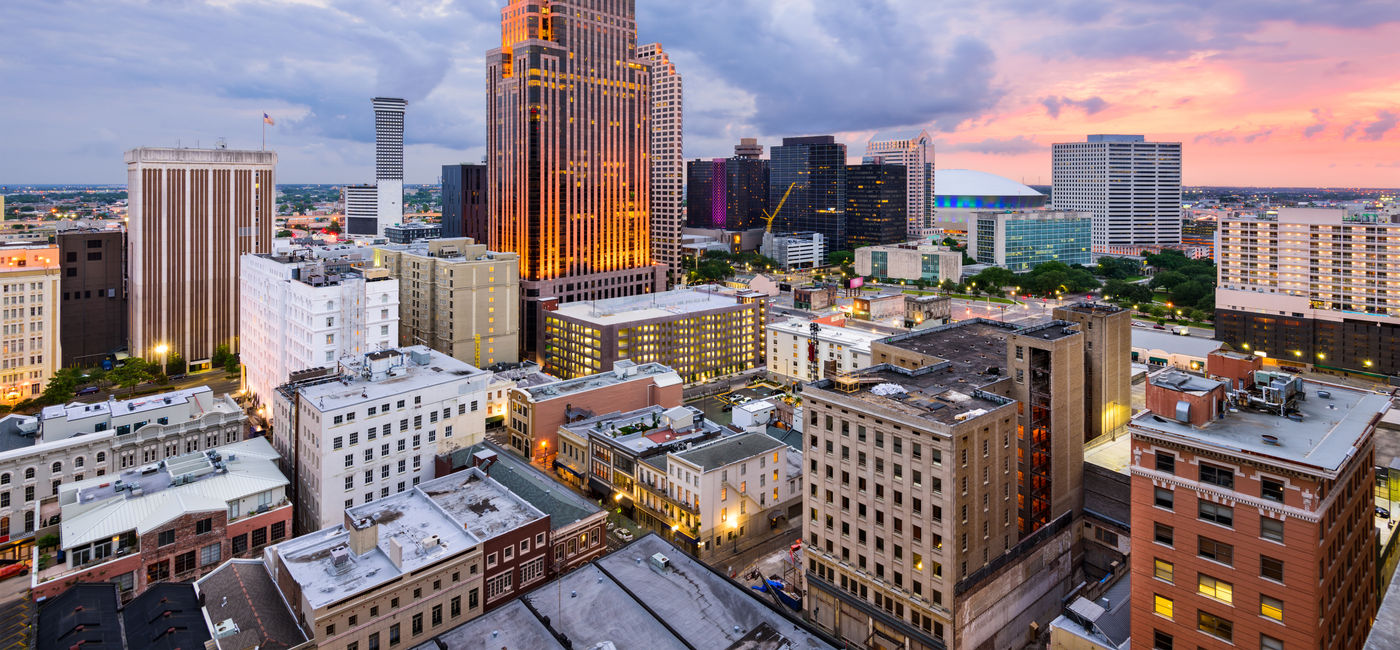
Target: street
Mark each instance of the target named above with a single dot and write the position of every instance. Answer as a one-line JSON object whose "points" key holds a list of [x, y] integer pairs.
{"points": [[216, 380], [16, 614]]}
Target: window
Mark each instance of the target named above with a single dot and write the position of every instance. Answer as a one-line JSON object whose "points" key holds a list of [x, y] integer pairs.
{"points": [[1271, 608], [1161, 640], [1166, 462], [1214, 512], [1163, 570], [158, 571], [1162, 534], [1162, 498], [437, 615], [1213, 550], [1221, 476], [165, 538], [1215, 626], [374, 641], [456, 606], [1270, 568], [498, 586], [1271, 489], [1271, 529], [259, 537], [417, 624], [203, 526], [1217, 589], [184, 562], [1162, 605], [209, 554], [1269, 643], [394, 634], [240, 544]]}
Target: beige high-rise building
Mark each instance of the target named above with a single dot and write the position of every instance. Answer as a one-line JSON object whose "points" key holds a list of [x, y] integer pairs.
{"points": [[192, 213], [667, 160], [1108, 343], [458, 298], [568, 142], [29, 281]]}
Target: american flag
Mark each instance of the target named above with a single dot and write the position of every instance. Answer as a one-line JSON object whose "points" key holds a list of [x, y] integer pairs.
{"points": [[267, 119]]}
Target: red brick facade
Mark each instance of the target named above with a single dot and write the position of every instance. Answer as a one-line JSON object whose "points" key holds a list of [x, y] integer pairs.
{"points": [[516, 561]]}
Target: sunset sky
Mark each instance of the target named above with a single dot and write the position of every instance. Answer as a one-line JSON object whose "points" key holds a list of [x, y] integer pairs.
{"points": [[1260, 92]]}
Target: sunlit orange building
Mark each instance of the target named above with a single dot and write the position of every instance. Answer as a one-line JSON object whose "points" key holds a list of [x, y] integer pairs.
{"points": [[29, 350]]}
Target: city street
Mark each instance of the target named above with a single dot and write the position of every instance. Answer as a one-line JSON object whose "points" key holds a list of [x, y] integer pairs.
{"points": [[16, 614], [216, 380]]}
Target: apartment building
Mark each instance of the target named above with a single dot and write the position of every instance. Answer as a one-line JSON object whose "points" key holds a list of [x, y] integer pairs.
{"points": [[1311, 286], [993, 413], [29, 286], [536, 412], [702, 335], [458, 298], [94, 322], [807, 350], [371, 427], [1252, 500], [308, 308], [172, 520]]}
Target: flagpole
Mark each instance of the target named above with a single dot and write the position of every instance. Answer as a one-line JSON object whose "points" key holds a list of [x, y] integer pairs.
{"points": [[264, 132]]}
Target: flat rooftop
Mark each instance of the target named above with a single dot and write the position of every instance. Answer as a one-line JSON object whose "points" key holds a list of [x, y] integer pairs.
{"points": [[351, 387], [960, 341], [849, 337], [651, 306], [1324, 439], [11, 437], [634, 430], [564, 506], [942, 392], [200, 396], [627, 371], [623, 599], [1194, 346]]}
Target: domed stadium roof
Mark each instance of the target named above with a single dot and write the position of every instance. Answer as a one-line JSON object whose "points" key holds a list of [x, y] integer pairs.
{"points": [[968, 182]]}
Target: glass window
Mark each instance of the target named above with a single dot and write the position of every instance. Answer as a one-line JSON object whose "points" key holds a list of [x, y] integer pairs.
{"points": [[1271, 607], [1221, 476], [1163, 570], [1213, 550], [1271, 529], [1166, 462], [1271, 568], [1269, 643], [1217, 589], [1271, 489], [1161, 640], [1162, 534], [1163, 498], [1215, 626], [1213, 512]]}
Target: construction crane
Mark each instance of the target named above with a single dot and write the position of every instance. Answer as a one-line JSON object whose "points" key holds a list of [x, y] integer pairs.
{"points": [[770, 217]]}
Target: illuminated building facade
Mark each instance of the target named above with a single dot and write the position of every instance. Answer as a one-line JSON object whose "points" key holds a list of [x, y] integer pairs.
{"points": [[961, 193], [916, 155], [1132, 187], [726, 193], [464, 202], [814, 167], [1020, 240], [568, 153], [876, 204], [29, 283], [667, 159], [192, 213]]}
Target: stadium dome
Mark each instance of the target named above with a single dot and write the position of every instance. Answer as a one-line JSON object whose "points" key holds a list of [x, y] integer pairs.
{"points": [[970, 189]]}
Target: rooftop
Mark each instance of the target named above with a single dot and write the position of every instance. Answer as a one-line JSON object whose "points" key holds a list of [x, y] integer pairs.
{"points": [[148, 497], [646, 428], [968, 182], [381, 375], [663, 304], [1323, 438], [730, 449], [564, 506], [524, 374], [84, 615], [165, 617], [1192, 346], [432, 521], [11, 437], [201, 397], [242, 591], [623, 371], [942, 392]]}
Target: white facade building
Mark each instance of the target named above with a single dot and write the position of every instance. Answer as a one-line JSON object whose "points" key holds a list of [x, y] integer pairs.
{"points": [[373, 427], [309, 308], [29, 285], [667, 160], [361, 209], [736, 484], [916, 154], [802, 350], [1131, 186], [388, 160], [798, 250]]}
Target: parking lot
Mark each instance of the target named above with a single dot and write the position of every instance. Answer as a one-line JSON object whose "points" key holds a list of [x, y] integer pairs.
{"points": [[16, 614]]}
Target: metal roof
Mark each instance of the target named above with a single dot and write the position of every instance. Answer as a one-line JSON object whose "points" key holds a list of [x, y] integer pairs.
{"points": [[968, 182]]}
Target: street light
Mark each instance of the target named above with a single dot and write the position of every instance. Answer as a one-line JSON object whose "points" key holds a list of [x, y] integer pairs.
{"points": [[161, 349]]}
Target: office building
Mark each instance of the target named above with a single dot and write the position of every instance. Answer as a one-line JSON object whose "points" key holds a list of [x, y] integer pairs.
{"points": [[337, 462], [993, 412], [1311, 286], [911, 261], [810, 172], [192, 213], [959, 194], [797, 250], [30, 280], [1130, 185], [916, 155], [407, 233], [808, 350], [457, 297], [701, 335], [535, 413], [727, 194], [1252, 513], [667, 159], [588, 238], [307, 309], [94, 295], [361, 209], [388, 168], [71, 442], [1024, 239], [1108, 337], [876, 206], [464, 202], [1199, 233], [169, 521]]}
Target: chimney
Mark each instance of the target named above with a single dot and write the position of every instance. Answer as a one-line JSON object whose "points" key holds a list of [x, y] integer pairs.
{"points": [[364, 534]]}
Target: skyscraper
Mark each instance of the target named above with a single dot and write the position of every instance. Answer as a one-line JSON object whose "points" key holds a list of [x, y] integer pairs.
{"points": [[464, 202], [568, 141], [916, 154], [667, 159], [1131, 186], [876, 204], [814, 167], [387, 190], [192, 213], [728, 193]]}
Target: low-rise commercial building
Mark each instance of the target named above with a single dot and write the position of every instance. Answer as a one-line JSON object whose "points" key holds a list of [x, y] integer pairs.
{"points": [[879, 307], [795, 250], [912, 261], [372, 426], [807, 350], [1020, 240], [505, 376], [29, 284], [701, 335], [1253, 510], [171, 520], [927, 311], [1161, 349]]}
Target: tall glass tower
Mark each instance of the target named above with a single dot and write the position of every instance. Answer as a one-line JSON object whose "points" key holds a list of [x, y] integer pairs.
{"points": [[814, 167]]}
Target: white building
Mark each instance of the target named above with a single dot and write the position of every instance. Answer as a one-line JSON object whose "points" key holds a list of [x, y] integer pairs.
{"points": [[804, 350], [1131, 186], [29, 285], [798, 250], [916, 154], [388, 160], [309, 308], [361, 209], [667, 159], [372, 427]]}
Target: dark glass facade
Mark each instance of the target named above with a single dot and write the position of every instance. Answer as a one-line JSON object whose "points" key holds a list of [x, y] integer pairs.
{"points": [[464, 202], [735, 202], [876, 204], [815, 168]]}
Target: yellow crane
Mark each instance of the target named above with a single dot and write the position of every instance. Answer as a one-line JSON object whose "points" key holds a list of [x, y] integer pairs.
{"points": [[770, 217]]}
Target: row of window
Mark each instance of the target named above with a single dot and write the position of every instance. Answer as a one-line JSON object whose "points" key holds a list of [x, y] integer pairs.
{"points": [[1223, 515], [1271, 489]]}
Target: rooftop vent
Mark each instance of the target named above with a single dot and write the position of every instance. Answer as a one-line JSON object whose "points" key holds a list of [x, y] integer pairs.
{"points": [[225, 628], [660, 562]]}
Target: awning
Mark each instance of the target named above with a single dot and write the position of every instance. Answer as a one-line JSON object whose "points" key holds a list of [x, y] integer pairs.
{"points": [[1157, 361], [576, 473], [686, 537], [599, 486]]}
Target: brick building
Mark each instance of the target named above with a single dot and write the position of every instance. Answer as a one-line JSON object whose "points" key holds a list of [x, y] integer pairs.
{"points": [[93, 284]]}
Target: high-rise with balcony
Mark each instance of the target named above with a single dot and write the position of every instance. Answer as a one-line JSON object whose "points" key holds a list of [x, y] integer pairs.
{"points": [[568, 147], [810, 172], [667, 159], [1130, 185], [916, 155], [192, 213]]}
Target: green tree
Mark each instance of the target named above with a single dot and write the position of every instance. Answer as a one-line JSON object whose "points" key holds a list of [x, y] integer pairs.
{"points": [[175, 365], [1167, 280], [948, 285], [231, 365], [1188, 293], [842, 258], [62, 385], [334, 227], [284, 233], [131, 373], [220, 356]]}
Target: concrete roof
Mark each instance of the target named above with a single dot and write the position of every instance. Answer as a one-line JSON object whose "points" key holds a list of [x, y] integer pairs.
{"points": [[626, 371], [356, 389], [1149, 339], [849, 337], [564, 506], [664, 304], [969, 182], [202, 395], [10, 436], [242, 591], [1385, 632], [511, 626]]}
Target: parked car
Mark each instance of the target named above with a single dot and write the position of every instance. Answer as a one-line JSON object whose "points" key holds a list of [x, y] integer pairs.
{"points": [[1159, 327], [89, 390], [16, 569], [1382, 512]]}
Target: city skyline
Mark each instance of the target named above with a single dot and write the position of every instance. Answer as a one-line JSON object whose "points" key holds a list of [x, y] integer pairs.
{"points": [[1053, 74]]}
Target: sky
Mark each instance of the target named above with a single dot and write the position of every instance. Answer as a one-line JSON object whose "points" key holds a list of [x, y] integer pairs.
{"points": [[1259, 92]]}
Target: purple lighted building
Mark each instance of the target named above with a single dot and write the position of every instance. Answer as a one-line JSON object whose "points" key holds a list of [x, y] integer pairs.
{"points": [[727, 193]]}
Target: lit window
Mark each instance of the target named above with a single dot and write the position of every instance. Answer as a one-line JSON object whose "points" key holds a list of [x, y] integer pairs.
{"points": [[1162, 605], [1164, 571], [1271, 608], [1217, 589]]}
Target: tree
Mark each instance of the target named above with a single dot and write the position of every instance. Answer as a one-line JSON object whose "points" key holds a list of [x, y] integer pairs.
{"points": [[1188, 293], [334, 227], [175, 365], [285, 233], [62, 385], [131, 373], [948, 285], [842, 258], [220, 356], [231, 365]]}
